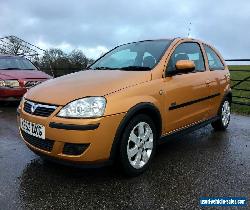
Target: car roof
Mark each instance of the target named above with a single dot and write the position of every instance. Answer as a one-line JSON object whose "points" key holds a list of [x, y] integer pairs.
{"points": [[183, 39], [168, 39]]}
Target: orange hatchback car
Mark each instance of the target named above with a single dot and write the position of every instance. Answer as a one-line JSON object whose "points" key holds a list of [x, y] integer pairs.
{"points": [[132, 98]]}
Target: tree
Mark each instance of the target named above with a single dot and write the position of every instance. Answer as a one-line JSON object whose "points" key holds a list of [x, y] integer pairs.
{"points": [[56, 60], [78, 60], [53, 61], [13, 45], [62, 63]]}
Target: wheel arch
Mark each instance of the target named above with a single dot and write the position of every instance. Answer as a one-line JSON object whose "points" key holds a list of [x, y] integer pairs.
{"points": [[142, 108], [228, 94]]}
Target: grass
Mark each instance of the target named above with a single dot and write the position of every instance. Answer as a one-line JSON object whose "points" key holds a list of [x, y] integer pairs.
{"points": [[241, 109]]}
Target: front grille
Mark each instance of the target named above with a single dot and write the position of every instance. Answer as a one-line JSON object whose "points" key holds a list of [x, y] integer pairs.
{"points": [[38, 109], [30, 84], [74, 149], [43, 144]]}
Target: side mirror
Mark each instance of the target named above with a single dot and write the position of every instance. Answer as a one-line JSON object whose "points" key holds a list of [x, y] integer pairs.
{"points": [[185, 65]]}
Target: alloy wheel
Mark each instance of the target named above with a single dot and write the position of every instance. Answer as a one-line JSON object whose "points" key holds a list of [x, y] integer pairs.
{"points": [[140, 145], [225, 113]]}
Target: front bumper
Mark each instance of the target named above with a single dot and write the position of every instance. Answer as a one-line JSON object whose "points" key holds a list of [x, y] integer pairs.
{"points": [[98, 136], [12, 94]]}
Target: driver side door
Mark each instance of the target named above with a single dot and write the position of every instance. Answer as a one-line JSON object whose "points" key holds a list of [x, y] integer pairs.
{"points": [[187, 94]]}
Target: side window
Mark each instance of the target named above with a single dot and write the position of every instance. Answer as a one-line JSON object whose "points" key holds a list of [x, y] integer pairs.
{"points": [[187, 51], [213, 59]]}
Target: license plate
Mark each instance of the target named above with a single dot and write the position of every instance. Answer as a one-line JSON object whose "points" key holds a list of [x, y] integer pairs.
{"points": [[32, 129]]}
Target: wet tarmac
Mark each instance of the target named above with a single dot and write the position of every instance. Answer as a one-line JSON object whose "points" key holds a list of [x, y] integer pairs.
{"points": [[203, 163]]}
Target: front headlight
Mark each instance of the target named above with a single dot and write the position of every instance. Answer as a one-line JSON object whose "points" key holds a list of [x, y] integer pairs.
{"points": [[2, 84], [89, 107], [9, 83]]}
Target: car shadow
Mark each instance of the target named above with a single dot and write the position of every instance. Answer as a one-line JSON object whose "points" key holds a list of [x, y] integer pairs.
{"points": [[9, 104]]}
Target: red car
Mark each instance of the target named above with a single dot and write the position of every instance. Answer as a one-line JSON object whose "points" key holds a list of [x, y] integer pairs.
{"points": [[17, 75]]}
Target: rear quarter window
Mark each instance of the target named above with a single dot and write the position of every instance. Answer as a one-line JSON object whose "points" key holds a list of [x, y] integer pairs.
{"points": [[214, 60]]}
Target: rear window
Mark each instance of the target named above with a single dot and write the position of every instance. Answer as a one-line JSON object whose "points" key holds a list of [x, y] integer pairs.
{"points": [[7, 63]]}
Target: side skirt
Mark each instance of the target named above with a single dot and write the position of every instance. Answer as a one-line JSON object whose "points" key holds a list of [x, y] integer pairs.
{"points": [[186, 130]]}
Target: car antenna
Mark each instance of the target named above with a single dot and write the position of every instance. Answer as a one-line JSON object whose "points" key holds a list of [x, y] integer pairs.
{"points": [[189, 29]]}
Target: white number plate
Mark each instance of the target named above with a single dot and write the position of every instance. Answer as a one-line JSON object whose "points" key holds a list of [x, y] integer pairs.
{"points": [[33, 129]]}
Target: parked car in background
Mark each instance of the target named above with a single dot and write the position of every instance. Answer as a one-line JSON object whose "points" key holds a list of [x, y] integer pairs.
{"points": [[132, 98], [17, 75]]}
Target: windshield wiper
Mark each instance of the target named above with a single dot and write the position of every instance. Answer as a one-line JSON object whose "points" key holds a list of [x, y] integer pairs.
{"points": [[126, 68], [10, 69], [104, 68], [135, 68]]}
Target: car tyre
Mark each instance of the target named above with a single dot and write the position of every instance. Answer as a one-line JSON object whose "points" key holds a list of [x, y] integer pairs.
{"points": [[224, 116], [138, 145]]}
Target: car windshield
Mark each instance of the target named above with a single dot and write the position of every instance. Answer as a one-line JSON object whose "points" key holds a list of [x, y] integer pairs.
{"points": [[136, 56], [7, 63]]}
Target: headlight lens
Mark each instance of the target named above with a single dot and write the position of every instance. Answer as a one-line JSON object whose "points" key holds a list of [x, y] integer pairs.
{"points": [[9, 83], [84, 108]]}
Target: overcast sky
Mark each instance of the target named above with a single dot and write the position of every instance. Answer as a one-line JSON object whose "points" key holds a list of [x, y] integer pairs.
{"points": [[97, 25]]}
